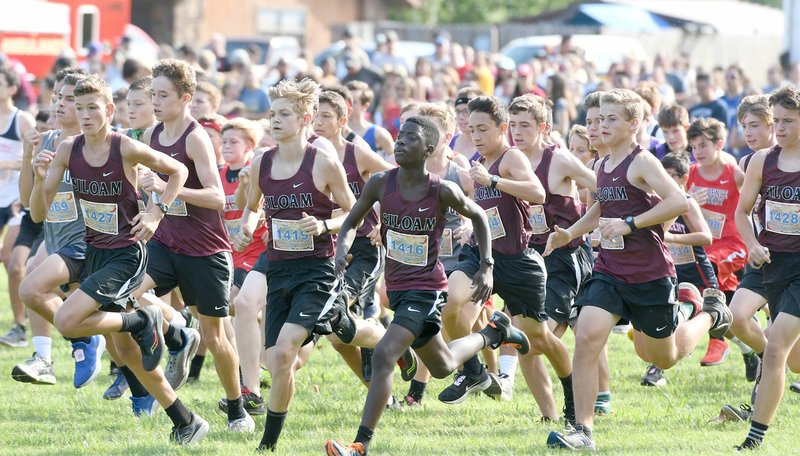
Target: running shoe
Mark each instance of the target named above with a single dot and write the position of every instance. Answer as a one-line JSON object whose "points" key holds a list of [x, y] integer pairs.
{"points": [[654, 377], [714, 305], [35, 370], [501, 388], [394, 404], [179, 361], [191, 433], [15, 337], [149, 338], [573, 439], [410, 402], [117, 389], [144, 405], [718, 350], [751, 364], [621, 329], [334, 448], [602, 405], [253, 403], [464, 385], [88, 362], [795, 387], [689, 294], [407, 364], [730, 413], [747, 445], [511, 335], [244, 424]]}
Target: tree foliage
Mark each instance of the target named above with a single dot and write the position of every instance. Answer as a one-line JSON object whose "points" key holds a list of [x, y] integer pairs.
{"points": [[435, 12]]}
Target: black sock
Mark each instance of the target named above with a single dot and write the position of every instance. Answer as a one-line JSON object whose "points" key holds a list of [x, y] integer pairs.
{"points": [[718, 338], [364, 436], [197, 364], [85, 340], [473, 366], [756, 434], [179, 414], [113, 365], [566, 383], [417, 390], [132, 322], [584, 429], [136, 387], [491, 337], [236, 409], [173, 338], [272, 430]]}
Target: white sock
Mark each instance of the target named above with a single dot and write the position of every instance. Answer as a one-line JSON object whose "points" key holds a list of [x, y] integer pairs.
{"points": [[508, 366], [177, 320], [43, 346], [742, 346]]}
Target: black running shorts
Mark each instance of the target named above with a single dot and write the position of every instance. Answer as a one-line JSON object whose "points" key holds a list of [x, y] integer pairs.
{"points": [[419, 311], [114, 274]]}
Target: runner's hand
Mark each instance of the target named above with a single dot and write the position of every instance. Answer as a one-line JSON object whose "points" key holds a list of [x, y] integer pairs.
{"points": [[32, 137], [463, 233], [557, 239], [41, 163], [757, 256], [482, 284], [342, 262], [150, 182], [146, 223], [614, 227], [375, 235], [242, 239], [480, 174], [311, 225]]}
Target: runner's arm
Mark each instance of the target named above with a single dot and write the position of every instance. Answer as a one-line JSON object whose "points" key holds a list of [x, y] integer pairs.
{"points": [[699, 232], [48, 171], [347, 232], [201, 152]]}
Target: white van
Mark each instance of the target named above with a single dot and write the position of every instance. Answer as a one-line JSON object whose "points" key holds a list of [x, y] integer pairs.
{"points": [[603, 50]]}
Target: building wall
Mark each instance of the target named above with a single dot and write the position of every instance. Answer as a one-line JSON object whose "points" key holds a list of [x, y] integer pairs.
{"points": [[320, 15]]}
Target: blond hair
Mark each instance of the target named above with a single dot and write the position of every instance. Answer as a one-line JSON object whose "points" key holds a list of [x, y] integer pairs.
{"points": [[441, 114], [179, 72], [757, 105], [630, 101], [302, 94], [246, 127]]}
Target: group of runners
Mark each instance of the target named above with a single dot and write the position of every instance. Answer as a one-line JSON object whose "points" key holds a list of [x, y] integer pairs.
{"points": [[319, 235]]}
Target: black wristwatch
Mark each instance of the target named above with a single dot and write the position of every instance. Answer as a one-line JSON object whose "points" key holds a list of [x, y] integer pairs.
{"points": [[164, 208], [631, 224], [488, 262], [495, 179], [325, 226]]}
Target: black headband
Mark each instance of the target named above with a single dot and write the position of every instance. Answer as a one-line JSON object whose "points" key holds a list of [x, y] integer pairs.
{"points": [[462, 100]]}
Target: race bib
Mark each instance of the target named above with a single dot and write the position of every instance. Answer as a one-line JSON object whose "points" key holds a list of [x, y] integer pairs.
{"points": [[538, 220], [337, 212], [177, 208], [681, 254], [101, 217], [783, 218], [495, 223], [446, 246], [716, 222], [63, 209], [288, 236], [613, 243], [233, 227], [410, 249]]}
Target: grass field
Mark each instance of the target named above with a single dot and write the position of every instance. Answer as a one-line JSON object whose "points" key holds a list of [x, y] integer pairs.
{"points": [[59, 420]]}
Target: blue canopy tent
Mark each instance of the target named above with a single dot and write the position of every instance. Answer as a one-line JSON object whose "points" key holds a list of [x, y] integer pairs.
{"points": [[625, 18]]}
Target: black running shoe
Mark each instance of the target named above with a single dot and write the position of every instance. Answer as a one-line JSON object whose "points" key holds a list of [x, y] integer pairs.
{"points": [[366, 363], [408, 365], [654, 377], [730, 413], [253, 403], [511, 335], [191, 433], [714, 305], [150, 339], [747, 445], [463, 386], [751, 364]]}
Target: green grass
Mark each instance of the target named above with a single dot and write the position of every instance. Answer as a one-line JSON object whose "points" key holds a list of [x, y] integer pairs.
{"points": [[59, 420]]}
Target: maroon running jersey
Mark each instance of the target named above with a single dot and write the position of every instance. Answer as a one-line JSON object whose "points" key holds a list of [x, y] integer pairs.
{"points": [[640, 256], [412, 232], [356, 183], [187, 229], [109, 201], [559, 210], [285, 200], [508, 215], [779, 209]]}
